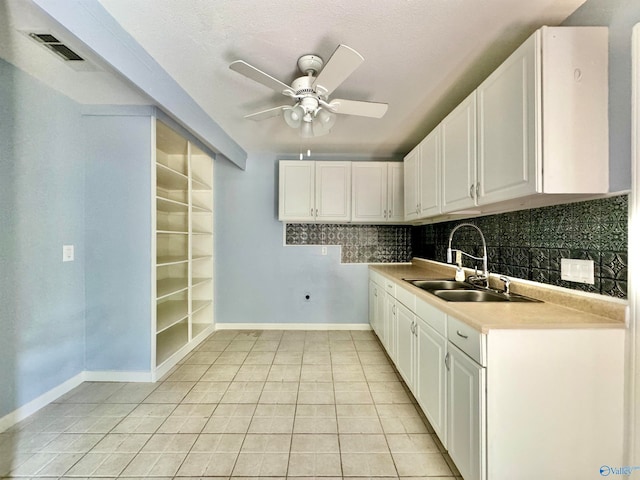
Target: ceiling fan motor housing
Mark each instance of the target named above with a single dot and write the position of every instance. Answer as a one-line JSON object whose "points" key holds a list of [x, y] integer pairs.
{"points": [[310, 63], [303, 86]]}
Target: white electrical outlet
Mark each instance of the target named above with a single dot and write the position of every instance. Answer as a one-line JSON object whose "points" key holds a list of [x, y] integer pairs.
{"points": [[324, 250], [67, 253], [579, 271]]}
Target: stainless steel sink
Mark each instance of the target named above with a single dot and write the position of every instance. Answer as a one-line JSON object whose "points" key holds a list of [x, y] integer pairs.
{"points": [[479, 296], [430, 285]]}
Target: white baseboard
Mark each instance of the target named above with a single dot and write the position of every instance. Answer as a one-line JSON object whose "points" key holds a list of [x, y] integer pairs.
{"points": [[43, 400], [117, 376], [293, 326], [55, 393]]}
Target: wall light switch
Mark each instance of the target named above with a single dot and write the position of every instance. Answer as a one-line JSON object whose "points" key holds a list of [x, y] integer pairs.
{"points": [[579, 271], [67, 253]]}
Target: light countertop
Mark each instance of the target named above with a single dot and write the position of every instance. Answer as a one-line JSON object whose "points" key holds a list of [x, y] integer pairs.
{"points": [[562, 308]]}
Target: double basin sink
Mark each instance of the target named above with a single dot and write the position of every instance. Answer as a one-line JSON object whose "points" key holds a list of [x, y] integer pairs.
{"points": [[454, 291]]}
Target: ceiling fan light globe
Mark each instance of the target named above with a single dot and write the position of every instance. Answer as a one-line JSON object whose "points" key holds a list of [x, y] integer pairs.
{"points": [[293, 116], [326, 118]]}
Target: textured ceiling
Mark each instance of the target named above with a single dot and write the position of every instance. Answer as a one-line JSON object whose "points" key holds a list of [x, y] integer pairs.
{"points": [[421, 57]]}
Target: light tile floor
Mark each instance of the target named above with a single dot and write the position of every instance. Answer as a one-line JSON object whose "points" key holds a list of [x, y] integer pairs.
{"points": [[244, 404]]}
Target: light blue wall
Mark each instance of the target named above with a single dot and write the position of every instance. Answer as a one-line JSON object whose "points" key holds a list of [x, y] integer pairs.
{"points": [[257, 279], [620, 16], [41, 208], [118, 242]]}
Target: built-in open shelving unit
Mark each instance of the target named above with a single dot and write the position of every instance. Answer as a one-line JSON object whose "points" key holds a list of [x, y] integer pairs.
{"points": [[183, 245]]}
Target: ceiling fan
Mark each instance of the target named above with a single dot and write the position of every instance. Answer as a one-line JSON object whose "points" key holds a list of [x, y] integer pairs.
{"points": [[313, 114]]}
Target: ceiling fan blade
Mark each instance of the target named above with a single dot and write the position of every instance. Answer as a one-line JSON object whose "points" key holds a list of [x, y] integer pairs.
{"points": [[355, 107], [342, 63], [259, 76], [264, 114]]}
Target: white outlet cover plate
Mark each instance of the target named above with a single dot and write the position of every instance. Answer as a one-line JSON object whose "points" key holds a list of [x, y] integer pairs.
{"points": [[579, 271], [67, 253]]}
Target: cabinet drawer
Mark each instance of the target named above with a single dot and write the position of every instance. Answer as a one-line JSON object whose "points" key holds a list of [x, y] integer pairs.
{"points": [[376, 277], [389, 286], [468, 339], [433, 317], [407, 298]]}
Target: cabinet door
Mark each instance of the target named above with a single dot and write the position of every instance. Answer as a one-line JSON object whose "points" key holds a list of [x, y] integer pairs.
{"points": [[296, 191], [395, 192], [333, 191], [369, 195], [431, 377], [405, 343], [507, 125], [390, 325], [374, 307], [380, 313], [411, 184], [466, 417], [430, 174], [459, 157]]}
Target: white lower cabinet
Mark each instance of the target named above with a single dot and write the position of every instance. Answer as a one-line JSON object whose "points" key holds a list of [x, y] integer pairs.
{"points": [[431, 377], [466, 398], [389, 325], [405, 343], [512, 403]]}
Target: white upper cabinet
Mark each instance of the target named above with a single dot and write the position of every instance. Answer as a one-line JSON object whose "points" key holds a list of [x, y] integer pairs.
{"points": [[314, 191], [542, 118], [395, 192], [429, 176], [412, 185], [333, 191], [422, 178], [297, 191], [459, 156], [377, 192], [535, 129]]}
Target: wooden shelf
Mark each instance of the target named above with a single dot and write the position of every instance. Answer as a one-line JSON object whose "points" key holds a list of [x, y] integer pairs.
{"points": [[171, 260], [169, 286], [198, 184], [198, 209], [171, 312], [171, 206], [197, 305], [171, 232], [170, 179], [199, 281], [201, 257]]}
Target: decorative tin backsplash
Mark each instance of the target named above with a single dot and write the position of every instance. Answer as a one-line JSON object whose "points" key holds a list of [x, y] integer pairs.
{"points": [[360, 243], [530, 243]]}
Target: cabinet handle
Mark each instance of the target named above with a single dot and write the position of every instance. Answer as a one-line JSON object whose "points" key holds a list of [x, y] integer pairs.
{"points": [[411, 328], [471, 190], [477, 189], [447, 361], [461, 334], [316, 212], [393, 309], [312, 212], [417, 208], [385, 214]]}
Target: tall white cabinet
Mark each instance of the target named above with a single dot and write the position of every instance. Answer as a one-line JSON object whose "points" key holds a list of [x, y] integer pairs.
{"points": [[183, 290]]}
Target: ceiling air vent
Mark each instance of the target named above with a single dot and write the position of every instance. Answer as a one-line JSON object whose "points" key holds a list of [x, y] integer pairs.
{"points": [[56, 46]]}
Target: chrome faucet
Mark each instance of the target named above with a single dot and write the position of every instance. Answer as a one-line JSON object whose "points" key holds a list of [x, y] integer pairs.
{"points": [[485, 270]]}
